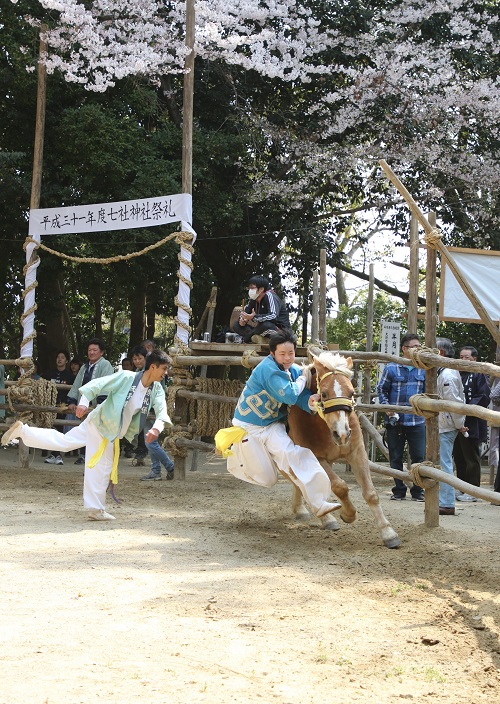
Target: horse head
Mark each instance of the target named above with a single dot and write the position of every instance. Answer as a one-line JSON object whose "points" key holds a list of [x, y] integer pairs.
{"points": [[333, 373]]}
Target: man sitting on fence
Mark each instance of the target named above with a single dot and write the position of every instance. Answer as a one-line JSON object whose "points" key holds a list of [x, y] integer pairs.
{"points": [[264, 314]]}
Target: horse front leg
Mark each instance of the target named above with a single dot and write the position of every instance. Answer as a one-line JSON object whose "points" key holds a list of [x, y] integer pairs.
{"points": [[341, 490], [361, 471]]}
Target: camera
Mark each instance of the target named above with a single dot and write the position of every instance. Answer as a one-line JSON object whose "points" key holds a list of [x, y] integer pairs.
{"points": [[392, 421]]}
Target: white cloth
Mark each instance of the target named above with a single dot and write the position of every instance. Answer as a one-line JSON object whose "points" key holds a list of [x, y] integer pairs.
{"points": [[133, 406], [96, 479], [298, 463]]}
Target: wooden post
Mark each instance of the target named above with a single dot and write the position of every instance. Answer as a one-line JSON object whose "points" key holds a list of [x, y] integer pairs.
{"points": [[431, 424], [414, 271], [187, 105], [187, 179], [315, 307], [369, 345], [322, 296], [36, 179]]}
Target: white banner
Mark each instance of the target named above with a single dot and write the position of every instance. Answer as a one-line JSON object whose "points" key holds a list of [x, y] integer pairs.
{"points": [[102, 217], [481, 269]]}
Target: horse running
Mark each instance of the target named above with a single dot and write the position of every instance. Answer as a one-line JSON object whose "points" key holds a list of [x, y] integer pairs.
{"points": [[334, 434]]}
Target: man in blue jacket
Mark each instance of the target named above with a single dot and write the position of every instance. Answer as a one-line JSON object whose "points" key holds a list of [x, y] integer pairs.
{"points": [[122, 414], [262, 409], [397, 383]]}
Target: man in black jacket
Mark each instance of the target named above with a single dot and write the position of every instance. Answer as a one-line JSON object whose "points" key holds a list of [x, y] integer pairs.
{"points": [[466, 450], [264, 313]]}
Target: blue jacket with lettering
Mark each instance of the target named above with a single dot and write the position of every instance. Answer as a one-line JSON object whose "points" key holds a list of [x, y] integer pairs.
{"points": [[268, 393]]}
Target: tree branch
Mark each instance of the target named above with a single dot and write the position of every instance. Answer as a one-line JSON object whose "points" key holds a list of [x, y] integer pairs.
{"points": [[381, 285]]}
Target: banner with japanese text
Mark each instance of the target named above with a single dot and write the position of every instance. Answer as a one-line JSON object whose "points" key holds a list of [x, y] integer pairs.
{"points": [[101, 217]]}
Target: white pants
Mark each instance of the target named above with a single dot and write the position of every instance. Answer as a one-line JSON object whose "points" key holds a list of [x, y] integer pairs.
{"points": [[86, 435], [298, 463]]}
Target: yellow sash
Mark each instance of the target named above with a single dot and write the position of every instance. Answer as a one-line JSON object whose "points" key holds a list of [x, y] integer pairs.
{"points": [[116, 454], [226, 437]]}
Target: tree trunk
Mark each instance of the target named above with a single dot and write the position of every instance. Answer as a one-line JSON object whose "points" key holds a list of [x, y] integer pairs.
{"points": [[137, 319], [341, 290], [52, 329], [98, 309]]}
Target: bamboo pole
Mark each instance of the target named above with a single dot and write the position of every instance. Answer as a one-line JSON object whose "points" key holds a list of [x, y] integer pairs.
{"points": [[429, 228], [322, 296], [432, 451], [373, 433], [369, 345], [436, 405], [414, 273], [36, 188], [187, 176], [439, 476], [315, 308], [428, 357]]}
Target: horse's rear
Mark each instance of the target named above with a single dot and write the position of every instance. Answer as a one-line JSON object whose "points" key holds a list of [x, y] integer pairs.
{"points": [[334, 434]]}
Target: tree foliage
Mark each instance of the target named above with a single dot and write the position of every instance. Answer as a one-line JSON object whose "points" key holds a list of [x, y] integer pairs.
{"points": [[295, 101]]}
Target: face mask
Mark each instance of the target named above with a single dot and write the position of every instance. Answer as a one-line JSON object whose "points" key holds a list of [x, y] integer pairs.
{"points": [[253, 293]]}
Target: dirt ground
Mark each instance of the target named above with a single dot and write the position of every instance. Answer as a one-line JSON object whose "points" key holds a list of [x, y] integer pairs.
{"points": [[207, 591]]}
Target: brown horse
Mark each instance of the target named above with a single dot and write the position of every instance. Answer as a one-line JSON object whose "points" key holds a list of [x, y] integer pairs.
{"points": [[334, 434]]}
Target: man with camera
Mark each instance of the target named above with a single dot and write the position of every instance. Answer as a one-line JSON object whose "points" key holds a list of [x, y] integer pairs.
{"points": [[397, 383]]}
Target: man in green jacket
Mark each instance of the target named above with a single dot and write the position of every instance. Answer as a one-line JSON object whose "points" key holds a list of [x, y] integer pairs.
{"points": [[96, 366], [122, 414]]}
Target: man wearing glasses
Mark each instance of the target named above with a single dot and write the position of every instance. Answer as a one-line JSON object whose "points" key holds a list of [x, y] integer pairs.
{"points": [[397, 383]]}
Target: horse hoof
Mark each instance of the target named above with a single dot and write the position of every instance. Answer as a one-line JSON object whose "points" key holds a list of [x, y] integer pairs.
{"points": [[392, 542], [329, 523], [348, 518], [303, 517]]}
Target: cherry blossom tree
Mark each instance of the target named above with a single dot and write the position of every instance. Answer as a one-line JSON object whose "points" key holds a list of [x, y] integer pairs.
{"points": [[323, 91]]}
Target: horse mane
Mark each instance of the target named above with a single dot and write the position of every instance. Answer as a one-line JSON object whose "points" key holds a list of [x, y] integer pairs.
{"points": [[335, 363]]}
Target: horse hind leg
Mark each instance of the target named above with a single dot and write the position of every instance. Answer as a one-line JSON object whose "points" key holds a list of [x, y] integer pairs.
{"points": [[299, 508], [301, 513]]}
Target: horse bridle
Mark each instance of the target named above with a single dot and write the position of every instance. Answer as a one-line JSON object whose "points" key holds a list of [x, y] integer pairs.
{"points": [[339, 403]]}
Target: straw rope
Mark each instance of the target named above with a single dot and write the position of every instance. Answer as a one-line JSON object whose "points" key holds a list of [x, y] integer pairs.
{"points": [[415, 404], [35, 259], [433, 238], [245, 359], [416, 477], [38, 392], [415, 356], [178, 236]]}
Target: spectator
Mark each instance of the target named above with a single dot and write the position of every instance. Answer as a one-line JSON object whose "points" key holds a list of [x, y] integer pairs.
{"points": [[74, 366], [264, 313], [96, 367], [127, 364], [127, 400], [466, 450], [449, 388], [149, 345], [139, 354], [397, 383], [60, 375]]}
